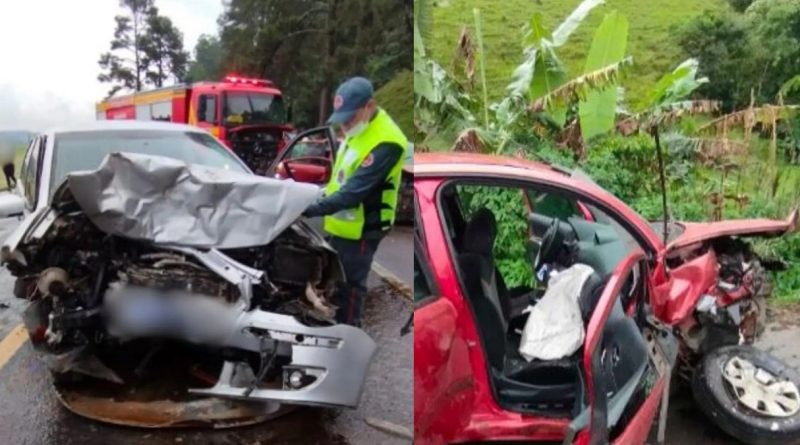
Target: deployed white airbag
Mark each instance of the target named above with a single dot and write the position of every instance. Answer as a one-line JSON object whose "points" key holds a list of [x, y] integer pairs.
{"points": [[555, 327]]}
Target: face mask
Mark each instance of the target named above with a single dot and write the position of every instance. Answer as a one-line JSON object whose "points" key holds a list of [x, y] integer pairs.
{"points": [[355, 130]]}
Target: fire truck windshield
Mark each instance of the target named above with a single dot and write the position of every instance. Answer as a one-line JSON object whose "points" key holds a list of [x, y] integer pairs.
{"points": [[247, 108], [74, 151]]}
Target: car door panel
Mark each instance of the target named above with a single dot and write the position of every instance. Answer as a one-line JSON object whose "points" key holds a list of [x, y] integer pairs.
{"points": [[617, 365], [443, 377]]}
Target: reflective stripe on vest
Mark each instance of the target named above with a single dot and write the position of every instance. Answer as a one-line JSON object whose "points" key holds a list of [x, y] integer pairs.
{"points": [[349, 223]]}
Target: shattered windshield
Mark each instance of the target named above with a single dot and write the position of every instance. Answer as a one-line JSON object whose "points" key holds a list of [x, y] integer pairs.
{"points": [[78, 151], [243, 108]]}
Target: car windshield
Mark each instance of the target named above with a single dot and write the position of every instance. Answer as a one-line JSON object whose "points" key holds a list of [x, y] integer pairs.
{"points": [[253, 108], [76, 151]]}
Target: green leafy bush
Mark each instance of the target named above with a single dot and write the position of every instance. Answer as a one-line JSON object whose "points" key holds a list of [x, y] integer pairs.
{"points": [[510, 250]]}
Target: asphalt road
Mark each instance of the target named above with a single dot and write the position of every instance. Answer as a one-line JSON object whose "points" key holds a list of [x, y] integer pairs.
{"points": [[31, 415]]}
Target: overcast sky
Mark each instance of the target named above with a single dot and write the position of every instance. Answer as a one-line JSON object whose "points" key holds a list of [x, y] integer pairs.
{"points": [[49, 51]]}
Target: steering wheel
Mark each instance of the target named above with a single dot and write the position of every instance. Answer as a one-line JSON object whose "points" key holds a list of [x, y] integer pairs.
{"points": [[551, 243]]}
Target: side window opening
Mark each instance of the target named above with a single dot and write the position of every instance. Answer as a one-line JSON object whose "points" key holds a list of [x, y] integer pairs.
{"points": [[207, 109], [30, 170], [552, 205], [512, 255]]}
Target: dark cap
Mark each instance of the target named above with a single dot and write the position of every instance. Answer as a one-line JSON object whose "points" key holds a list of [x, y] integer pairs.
{"points": [[351, 95]]}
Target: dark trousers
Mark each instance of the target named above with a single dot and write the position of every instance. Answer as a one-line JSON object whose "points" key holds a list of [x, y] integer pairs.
{"points": [[8, 171], [356, 257]]}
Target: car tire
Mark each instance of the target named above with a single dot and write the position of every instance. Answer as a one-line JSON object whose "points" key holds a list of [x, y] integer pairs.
{"points": [[715, 397]]}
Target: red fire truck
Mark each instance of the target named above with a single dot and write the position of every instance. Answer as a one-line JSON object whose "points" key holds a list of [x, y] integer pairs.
{"points": [[248, 115]]}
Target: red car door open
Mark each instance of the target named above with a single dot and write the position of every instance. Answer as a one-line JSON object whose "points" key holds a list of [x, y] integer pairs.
{"points": [[625, 366]]}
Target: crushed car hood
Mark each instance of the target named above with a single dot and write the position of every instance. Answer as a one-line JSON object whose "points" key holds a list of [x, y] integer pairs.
{"points": [[167, 201], [694, 232]]}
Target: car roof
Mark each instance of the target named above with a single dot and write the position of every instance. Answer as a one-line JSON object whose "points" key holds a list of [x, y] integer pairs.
{"points": [[442, 163], [104, 125]]}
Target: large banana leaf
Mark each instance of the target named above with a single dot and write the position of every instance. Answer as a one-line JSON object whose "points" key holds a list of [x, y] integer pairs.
{"points": [[748, 118], [579, 88], [548, 75], [571, 23], [540, 57], [676, 85], [536, 38], [423, 18], [597, 112]]}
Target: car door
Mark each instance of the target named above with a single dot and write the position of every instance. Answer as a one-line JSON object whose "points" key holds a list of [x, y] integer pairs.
{"points": [[307, 158], [443, 378], [625, 365]]}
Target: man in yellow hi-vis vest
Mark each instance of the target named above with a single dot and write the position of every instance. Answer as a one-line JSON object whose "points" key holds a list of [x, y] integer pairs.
{"points": [[361, 196]]}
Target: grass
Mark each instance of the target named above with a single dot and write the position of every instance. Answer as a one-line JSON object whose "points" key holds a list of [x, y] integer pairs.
{"points": [[396, 97], [651, 35]]}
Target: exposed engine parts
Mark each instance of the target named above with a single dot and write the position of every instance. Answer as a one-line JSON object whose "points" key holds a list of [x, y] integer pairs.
{"points": [[150, 264], [733, 310], [172, 271], [93, 291], [258, 148]]}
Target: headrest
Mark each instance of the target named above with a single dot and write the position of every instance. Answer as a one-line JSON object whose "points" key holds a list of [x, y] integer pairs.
{"points": [[480, 233]]}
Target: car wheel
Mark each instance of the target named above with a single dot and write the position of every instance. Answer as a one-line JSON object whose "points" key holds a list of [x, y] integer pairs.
{"points": [[749, 394]]}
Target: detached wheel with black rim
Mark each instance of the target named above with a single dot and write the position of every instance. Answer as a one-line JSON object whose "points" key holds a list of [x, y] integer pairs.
{"points": [[749, 394]]}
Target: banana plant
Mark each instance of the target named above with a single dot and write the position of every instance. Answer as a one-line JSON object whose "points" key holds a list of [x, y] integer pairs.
{"points": [[441, 107], [666, 104], [542, 86], [597, 111]]}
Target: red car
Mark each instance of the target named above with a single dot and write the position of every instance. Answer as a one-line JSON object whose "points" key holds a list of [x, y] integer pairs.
{"points": [[309, 158], [690, 304]]}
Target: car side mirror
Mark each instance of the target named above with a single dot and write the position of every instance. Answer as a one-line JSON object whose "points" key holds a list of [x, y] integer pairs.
{"points": [[11, 205], [311, 169]]}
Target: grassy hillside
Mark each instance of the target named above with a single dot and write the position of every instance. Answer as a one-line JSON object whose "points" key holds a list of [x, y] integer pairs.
{"points": [[650, 41], [396, 97]]}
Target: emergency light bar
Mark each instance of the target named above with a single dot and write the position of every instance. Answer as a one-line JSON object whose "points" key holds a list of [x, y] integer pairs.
{"points": [[248, 81]]}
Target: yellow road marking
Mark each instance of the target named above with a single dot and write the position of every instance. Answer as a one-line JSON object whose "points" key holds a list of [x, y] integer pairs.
{"points": [[11, 344]]}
